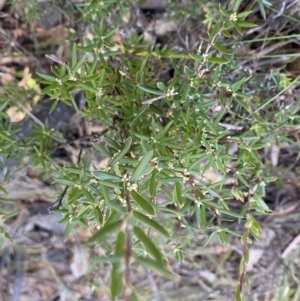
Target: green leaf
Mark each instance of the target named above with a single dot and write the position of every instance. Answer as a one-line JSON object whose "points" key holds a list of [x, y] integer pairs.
{"points": [[223, 49], [79, 64], [62, 71], [230, 213], [242, 103], [117, 206], [162, 133], [246, 24], [110, 184], [107, 229], [211, 236], [74, 170], [224, 13], [50, 89], [3, 106], [255, 224], [85, 211], [151, 223], [161, 86], [196, 57], [155, 265], [110, 33], [88, 195], [87, 87], [215, 29], [65, 181], [104, 193], [67, 230], [101, 150], [198, 216], [226, 33], [117, 271], [142, 166], [237, 5], [74, 56], [112, 143], [105, 176], [151, 90], [238, 28], [123, 152], [243, 14], [262, 8], [171, 180], [47, 77], [247, 283], [258, 145], [148, 243], [6, 137], [243, 180], [218, 60], [178, 194], [238, 293], [141, 112], [143, 203], [153, 184], [223, 237]]}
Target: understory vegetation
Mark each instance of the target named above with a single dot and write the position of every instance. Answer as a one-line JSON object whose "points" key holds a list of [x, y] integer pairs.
{"points": [[163, 138]]}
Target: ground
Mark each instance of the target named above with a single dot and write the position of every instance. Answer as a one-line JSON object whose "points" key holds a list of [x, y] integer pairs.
{"points": [[40, 264]]}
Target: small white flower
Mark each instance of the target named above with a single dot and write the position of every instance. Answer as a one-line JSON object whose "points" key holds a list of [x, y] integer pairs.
{"points": [[72, 77], [59, 81], [233, 17]]}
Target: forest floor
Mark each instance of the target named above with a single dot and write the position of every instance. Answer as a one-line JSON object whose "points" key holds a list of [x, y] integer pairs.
{"points": [[41, 265]]}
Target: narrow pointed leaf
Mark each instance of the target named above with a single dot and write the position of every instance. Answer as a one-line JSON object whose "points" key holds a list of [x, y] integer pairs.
{"points": [[218, 60], [153, 184], [107, 229], [105, 176], [74, 56], [79, 64], [151, 90], [156, 266], [211, 236], [143, 203], [142, 166], [101, 150], [122, 153], [151, 223], [117, 271], [222, 49], [65, 181], [88, 195], [178, 194], [148, 243], [46, 77]]}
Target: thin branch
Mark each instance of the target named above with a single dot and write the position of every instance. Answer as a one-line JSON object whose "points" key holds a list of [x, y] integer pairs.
{"points": [[205, 55], [242, 276], [150, 101], [35, 119], [245, 249]]}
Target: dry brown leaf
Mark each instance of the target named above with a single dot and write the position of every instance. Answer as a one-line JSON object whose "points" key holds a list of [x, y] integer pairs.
{"points": [[80, 261], [164, 26], [274, 154], [56, 34]]}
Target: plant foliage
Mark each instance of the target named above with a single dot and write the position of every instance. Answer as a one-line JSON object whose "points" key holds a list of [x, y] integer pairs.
{"points": [[162, 139]]}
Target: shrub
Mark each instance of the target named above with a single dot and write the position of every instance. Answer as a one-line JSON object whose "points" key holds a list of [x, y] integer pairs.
{"points": [[162, 139]]}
